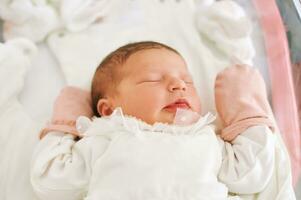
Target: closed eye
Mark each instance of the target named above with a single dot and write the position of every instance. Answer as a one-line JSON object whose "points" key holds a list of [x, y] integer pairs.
{"points": [[150, 81], [188, 82], [187, 79]]}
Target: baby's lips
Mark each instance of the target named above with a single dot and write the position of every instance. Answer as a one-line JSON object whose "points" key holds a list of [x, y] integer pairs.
{"points": [[179, 104]]}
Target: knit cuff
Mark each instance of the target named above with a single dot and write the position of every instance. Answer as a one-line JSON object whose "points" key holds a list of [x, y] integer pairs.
{"points": [[61, 126], [232, 131]]}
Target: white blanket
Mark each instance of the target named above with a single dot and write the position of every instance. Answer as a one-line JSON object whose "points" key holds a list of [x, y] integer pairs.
{"points": [[17, 130], [36, 19]]}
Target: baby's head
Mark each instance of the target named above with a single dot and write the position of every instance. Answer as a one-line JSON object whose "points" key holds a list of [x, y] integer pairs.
{"points": [[148, 80]]}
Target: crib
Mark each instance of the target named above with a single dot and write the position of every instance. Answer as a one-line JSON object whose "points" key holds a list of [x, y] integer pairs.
{"points": [[49, 44]]}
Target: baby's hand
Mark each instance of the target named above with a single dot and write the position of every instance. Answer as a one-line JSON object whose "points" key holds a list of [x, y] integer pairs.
{"points": [[71, 103], [241, 100]]}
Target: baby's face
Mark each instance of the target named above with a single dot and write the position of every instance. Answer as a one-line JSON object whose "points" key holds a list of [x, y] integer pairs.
{"points": [[155, 83]]}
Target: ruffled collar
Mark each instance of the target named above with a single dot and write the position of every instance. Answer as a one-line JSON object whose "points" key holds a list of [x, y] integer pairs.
{"points": [[119, 121]]}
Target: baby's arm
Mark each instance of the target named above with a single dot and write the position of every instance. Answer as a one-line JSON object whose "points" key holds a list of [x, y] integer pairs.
{"points": [[71, 103], [248, 162], [248, 150], [61, 167]]}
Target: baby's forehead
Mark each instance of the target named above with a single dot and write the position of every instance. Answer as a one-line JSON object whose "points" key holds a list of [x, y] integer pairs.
{"points": [[156, 60]]}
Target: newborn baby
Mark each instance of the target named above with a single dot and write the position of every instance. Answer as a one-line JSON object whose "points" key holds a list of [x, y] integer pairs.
{"points": [[150, 140]]}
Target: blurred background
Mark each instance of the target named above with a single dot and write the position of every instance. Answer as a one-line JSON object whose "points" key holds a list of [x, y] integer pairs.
{"points": [[291, 14]]}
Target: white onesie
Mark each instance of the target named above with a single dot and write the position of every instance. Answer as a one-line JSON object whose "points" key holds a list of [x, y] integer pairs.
{"points": [[122, 158]]}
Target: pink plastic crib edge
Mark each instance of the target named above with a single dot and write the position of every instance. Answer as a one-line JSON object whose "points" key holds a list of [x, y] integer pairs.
{"points": [[283, 95]]}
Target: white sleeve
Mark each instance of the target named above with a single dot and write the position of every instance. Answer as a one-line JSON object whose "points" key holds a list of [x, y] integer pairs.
{"points": [[248, 162], [61, 167]]}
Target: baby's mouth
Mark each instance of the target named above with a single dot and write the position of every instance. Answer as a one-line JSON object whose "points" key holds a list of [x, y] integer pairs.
{"points": [[180, 103]]}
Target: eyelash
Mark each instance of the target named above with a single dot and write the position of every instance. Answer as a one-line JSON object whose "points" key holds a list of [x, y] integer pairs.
{"points": [[154, 81], [150, 81], [188, 82]]}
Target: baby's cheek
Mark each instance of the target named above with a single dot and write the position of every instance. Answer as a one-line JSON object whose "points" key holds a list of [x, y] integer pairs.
{"points": [[199, 108], [197, 103]]}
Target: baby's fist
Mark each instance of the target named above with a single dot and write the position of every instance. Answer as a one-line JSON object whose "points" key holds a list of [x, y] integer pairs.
{"points": [[241, 100]]}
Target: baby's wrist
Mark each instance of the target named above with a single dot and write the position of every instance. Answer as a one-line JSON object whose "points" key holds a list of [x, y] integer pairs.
{"points": [[66, 126], [230, 132]]}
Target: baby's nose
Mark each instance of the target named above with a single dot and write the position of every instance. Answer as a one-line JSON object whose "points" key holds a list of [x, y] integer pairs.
{"points": [[176, 84]]}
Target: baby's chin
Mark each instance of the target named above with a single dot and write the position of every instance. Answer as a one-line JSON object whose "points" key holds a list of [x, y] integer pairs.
{"points": [[181, 117], [166, 117]]}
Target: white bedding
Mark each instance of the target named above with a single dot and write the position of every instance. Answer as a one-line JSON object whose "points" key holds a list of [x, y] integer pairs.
{"points": [[69, 51], [17, 128], [42, 83]]}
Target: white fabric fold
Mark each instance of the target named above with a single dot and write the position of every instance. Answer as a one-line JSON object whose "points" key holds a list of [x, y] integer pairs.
{"points": [[27, 18], [226, 26], [15, 61], [17, 128], [80, 14], [36, 20]]}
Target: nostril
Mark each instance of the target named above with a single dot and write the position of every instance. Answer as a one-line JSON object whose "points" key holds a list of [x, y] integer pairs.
{"points": [[174, 88], [177, 84]]}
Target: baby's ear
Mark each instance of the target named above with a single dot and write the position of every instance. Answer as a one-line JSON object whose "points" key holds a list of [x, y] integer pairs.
{"points": [[104, 107]]}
